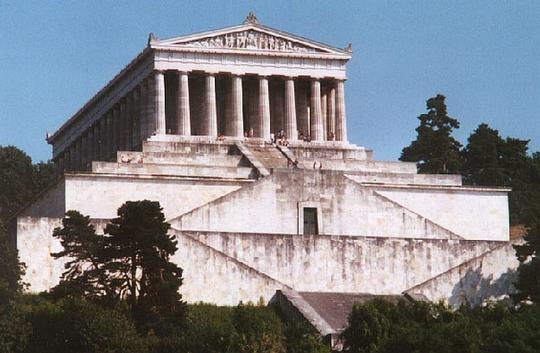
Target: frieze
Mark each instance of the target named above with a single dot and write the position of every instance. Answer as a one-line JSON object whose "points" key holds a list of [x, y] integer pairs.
{"points": [[252, 40]]}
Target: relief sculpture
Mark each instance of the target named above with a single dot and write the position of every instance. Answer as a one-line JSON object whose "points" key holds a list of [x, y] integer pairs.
{"points": [[251, 40]]}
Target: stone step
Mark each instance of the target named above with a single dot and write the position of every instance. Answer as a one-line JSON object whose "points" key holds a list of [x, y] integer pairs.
{"points": [[222, 160], [224, 148], [359, 165], [173, 170]]}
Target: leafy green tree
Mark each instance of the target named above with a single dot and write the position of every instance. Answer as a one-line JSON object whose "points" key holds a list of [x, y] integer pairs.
{"points": [[259, 330], [368, 328], [137, 258], [528, 254], [84, 275], [77, 325], [435, 150], [11, 270], [17, 185], [482, 158], [44, 174]]}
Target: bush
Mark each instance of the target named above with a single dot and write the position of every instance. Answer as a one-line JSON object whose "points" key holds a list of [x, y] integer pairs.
{"points": [[73, 325]]}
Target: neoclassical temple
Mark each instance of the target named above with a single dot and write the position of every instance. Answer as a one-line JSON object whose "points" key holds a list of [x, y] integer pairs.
{"points": [[302, 218], [244, 81]]}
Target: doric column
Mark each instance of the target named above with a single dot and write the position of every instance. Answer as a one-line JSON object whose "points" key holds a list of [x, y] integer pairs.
{"points": [[331, 114], [67, 160], [209, 123], [291, 131], [147, 108], [84, 151], [116, 131], [97, 140], [110, 135], [90, 146], [73, 159], [264, 109], [324, 112], [316, 111], [103, 148], [183, 116], [159, 102], [129, 121], [122, 145], [235, 122], [137, 117], [341, 121]]}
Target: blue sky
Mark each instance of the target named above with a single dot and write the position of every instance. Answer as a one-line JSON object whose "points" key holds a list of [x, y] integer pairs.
{"points": [[483, 55]]}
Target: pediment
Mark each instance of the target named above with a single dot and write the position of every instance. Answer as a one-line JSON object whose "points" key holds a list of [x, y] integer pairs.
{"points": [[251, 37]]}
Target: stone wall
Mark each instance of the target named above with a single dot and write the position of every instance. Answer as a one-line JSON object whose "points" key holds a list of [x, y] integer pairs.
{"points": [[347, 207], [490, 276], [339, 264], [100, 196]]}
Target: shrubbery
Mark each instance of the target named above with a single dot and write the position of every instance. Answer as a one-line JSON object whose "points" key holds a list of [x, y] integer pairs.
{"points": [[406, 327]]}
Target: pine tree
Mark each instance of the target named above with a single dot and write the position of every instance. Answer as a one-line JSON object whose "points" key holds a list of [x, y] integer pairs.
{"points": [[138, 252], [435, 150], [84, 275]]}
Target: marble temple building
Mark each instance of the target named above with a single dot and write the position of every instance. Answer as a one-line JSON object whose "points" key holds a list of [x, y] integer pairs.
{"points": [[241, 135]]}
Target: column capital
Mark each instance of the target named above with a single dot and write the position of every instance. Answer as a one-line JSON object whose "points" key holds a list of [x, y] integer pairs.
{"points": [[158, 71], [182, 72]]}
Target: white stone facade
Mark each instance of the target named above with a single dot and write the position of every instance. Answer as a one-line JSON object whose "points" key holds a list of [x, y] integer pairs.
{"points": [[188, 123]]}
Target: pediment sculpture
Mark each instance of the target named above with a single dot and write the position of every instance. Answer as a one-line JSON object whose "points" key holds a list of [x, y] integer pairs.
{"points": [[253, 40]]}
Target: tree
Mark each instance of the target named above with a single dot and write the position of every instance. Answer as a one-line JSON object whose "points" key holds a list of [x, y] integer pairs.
{"points": [[11, 270], [77, 325], [84, 276], [20, 180], [137, 256], [528, 254], [44, 174], [482, 158], [17, 185], [435, 150]]}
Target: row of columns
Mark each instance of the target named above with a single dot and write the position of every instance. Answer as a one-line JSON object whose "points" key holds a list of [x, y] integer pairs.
{"points": [[326, 110], [142, 113]]}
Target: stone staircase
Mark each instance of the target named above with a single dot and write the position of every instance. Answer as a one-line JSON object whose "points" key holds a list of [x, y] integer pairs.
{"points": [[211, 159]]}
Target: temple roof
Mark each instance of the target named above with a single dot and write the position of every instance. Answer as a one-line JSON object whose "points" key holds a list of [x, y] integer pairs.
{"points": [[248, 38]]}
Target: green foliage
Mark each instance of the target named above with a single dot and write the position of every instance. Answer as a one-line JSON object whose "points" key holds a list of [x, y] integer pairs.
{"points": [[300, 338], [84, 276], [259, 330], [75, 325], [11, 270], [137, 257], [528, 254], [20, 181], [435, 150], [407, 327], [17, 185], [131, 261]]}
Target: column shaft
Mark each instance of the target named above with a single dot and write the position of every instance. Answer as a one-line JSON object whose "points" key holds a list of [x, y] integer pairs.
{"points": [[110, 135], [291, 131], [103, 148], [122, 125], [316, 111], [264, 109], [341, 123], [130, 109], [97, 140], [324, 113], [116, 132], [331, 115], [183, 116], [209, 123], [235, 123], [84, 151], [159, 102], [137, 117], [90, 146]]}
